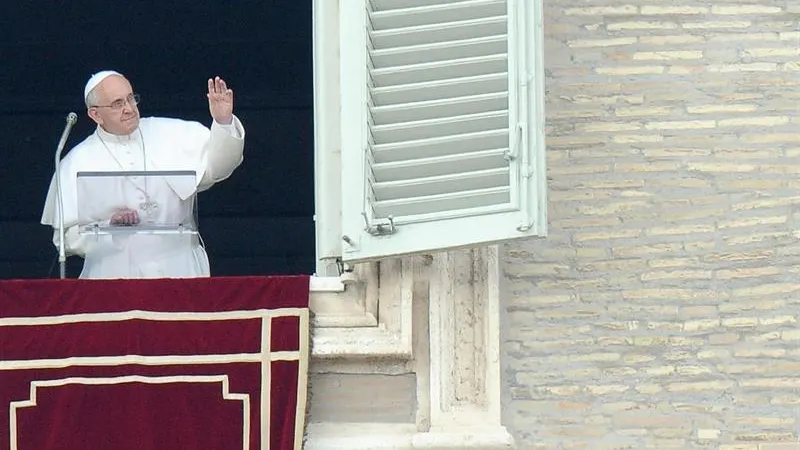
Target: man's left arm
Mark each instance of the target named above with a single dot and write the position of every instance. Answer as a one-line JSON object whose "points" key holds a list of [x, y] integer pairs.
{"points": [[225, 147], [224, 151]]}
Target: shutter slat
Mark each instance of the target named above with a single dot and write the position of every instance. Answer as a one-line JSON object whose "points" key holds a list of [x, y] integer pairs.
{"points": [[442, 184], [439, 32], [432, 14], [448, 145], [440, 70], [495, 198], [383, 5], [439, 108], [426, 129], [425, 53], [442, 165], [441, 89]]}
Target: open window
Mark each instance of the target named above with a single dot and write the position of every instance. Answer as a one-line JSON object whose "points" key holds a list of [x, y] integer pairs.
{"points": [[430, 126]]}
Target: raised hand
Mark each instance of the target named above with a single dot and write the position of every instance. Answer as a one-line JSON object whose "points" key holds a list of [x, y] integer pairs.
{"points": [[220, 101]]}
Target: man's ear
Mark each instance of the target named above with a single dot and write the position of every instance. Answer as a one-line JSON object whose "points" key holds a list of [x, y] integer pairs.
{"points": [[92, 113]]}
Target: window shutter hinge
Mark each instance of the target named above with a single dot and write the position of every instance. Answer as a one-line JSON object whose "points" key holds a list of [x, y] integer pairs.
{"points": [[379, 227], [342, 267]]}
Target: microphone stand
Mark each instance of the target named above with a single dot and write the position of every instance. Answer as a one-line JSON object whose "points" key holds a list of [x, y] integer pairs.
{"points": [[62, 252]]}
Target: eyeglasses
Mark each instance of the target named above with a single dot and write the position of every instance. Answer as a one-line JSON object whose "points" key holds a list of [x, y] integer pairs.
{"points": [[116, 105]]}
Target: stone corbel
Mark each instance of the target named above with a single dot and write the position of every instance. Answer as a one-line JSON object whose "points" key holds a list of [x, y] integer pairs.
{"points": [[369, 317]]}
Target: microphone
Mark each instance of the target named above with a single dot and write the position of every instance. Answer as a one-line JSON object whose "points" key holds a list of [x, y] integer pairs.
{"points": [[62, 252]]}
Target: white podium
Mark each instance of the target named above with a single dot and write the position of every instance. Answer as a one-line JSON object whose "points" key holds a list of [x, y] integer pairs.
{"points": [[165, 201]]}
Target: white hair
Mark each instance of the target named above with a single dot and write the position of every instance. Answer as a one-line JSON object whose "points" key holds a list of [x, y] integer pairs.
{"points": [[91, 98]]}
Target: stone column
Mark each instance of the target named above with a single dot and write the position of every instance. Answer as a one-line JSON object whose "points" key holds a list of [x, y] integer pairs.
{"points": [[462, 406]]}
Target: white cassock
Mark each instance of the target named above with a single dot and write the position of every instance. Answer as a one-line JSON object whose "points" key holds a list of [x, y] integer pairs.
{"points": [[159, 144]]}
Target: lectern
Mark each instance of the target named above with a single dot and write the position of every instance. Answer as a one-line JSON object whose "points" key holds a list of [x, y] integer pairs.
{"points": [[164, 201], [165, 233]]}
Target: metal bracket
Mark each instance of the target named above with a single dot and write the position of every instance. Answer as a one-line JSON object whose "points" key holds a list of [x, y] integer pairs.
{"points": [[379, 228], [513, 152], [343, 267]]}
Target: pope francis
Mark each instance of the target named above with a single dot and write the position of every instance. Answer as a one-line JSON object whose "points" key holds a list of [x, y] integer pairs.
{"points": [[122, 141]]}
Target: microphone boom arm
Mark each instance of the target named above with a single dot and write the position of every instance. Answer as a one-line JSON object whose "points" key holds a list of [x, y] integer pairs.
{"points": [[62, 251]]}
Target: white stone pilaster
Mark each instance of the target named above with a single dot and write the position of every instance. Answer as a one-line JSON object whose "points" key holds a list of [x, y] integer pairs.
{"points": [[464, 382]]}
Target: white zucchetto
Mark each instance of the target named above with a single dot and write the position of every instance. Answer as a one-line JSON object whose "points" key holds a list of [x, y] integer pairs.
{"points": [[97, 79]]}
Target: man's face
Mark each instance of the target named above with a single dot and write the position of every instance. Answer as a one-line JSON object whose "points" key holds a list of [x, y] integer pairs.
{"points": [[115, 109]]}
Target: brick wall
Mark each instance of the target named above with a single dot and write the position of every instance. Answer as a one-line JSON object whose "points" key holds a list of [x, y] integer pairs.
{"points": [[662, 310]]}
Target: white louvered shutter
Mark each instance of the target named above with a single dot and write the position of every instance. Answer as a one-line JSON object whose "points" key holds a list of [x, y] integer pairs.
{"points": [[442, 125]]}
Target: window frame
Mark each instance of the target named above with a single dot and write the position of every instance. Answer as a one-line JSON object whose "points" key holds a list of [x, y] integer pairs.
{"points": [[362, 311]]}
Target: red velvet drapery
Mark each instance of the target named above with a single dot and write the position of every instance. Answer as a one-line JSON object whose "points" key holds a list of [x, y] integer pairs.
{"points": [[213, 363]]}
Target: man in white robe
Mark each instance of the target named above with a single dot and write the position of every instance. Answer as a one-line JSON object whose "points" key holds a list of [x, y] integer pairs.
{"points": [[123, 141]]}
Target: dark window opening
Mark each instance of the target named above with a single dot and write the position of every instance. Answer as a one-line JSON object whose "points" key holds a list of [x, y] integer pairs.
{"points": [[259, 221]]}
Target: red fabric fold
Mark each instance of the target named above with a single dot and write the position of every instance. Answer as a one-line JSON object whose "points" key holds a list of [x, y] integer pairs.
{"points": [[153, 364]]}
